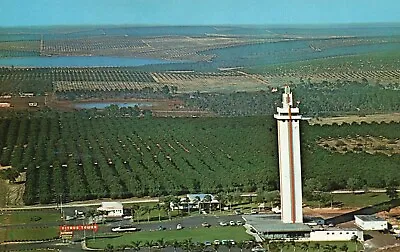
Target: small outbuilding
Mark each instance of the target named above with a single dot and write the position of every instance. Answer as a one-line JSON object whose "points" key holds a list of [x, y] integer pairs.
{"points": [[112, 209], [370, 222]]}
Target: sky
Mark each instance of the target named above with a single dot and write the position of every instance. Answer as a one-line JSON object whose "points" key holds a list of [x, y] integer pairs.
{"points": [[196, 12]]}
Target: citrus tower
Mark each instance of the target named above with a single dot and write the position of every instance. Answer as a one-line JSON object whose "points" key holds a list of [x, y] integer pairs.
{"points": [[288, 122]]}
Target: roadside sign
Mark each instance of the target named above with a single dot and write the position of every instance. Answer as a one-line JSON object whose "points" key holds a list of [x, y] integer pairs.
{"points": [[66, 235], [93, 227]]}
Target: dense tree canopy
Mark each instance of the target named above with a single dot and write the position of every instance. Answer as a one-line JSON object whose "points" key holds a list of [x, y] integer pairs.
{"points": [[93, 154]]}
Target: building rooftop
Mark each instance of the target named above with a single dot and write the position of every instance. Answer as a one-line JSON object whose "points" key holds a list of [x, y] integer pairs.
{"points": [[369, 218], [272, 223], [110, 205]]}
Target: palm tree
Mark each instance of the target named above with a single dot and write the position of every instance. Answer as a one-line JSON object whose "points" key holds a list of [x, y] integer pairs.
{"points": [[216, 246], [200, 246], [241, 245], [207, 198], [146, 209], [136, 245], [229, 198], [148, 244], [135, 211], [166, 208], [304, 246], [229, 244], [161, 243], [187, 244], [198, 202], [186, 201], [266, 242], [317, 246], [176, 201], [221, 199], [159, 207], [175, 244], [354, 238], [344, 248], [109, 248]]}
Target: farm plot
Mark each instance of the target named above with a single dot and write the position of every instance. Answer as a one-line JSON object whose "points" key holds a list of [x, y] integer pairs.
{"points": [[75, 74], [367, 144], [94, 157], [167, 47], [231, 81], [68, 86]]}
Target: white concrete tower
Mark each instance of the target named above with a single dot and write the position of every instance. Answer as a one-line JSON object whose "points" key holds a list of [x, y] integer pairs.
{"points": [[288, 119]]}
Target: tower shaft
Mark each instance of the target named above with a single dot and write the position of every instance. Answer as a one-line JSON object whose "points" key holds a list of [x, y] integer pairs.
{"points": [[289, 160]]}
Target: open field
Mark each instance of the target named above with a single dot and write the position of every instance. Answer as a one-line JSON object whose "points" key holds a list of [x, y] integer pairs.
{"points": [[368, 144], [29, 217], [28, 233]]}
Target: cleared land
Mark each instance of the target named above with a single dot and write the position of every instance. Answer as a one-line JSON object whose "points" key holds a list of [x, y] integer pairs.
{"points": [[395, 117], [372, 145]]}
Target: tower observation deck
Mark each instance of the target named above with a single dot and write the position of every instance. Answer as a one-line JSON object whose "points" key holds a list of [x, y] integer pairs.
{"points": [[288, 118]]}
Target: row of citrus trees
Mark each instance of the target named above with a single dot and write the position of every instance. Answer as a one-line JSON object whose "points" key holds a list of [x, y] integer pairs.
{"points": [[89, 154], [81, 156]]}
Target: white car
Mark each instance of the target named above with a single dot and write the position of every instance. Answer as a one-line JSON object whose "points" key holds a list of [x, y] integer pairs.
{"points": [[179, 227], [223, 223], [232, 223], [254, 211], [258, 249], [125, 229]]}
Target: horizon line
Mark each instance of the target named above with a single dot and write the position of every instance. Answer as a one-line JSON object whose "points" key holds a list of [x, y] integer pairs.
{"points": [[397, 23]]}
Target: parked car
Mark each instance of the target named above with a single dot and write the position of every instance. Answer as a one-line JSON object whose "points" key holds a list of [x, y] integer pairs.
{"points": [[239, 223], [254, 211], [216, 242], [232, 223], [160, 228], [258, 249], [207, 243], [223, 223], [179, 227], [205, 224]]}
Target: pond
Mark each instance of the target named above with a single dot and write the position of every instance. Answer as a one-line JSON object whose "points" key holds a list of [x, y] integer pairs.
{"points": [[79, 61]]}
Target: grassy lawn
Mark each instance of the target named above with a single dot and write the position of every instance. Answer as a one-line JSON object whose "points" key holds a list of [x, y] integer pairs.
{"points": [[196, 234], [28, 234], [360, 200], [25, 217], [353, 200]]}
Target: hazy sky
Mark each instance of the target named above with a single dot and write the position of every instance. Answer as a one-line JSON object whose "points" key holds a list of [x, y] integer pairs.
{"points": [[189, 12]]}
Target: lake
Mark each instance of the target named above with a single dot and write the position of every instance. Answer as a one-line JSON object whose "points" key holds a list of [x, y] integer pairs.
{"points": [[103, 105], [79, 61]]}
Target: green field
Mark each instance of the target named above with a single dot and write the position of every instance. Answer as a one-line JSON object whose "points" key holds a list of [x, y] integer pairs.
{"points": [[196, 234], [28, 233], [29, 217], [360, 200]]}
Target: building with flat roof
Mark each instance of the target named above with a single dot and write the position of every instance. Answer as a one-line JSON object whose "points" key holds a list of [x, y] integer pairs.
{"points": [[271, 227], [112, 209], [370, 222]]}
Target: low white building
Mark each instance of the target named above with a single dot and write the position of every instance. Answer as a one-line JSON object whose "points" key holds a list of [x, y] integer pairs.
{"points": [[370, 222], [336, 235], [112, 209]]}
